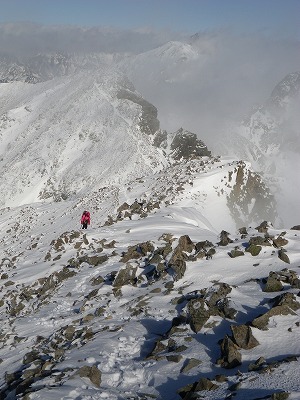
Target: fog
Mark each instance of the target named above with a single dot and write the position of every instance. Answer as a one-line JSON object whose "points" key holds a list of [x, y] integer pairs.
{"points": [[206, 83], [27, 39]]}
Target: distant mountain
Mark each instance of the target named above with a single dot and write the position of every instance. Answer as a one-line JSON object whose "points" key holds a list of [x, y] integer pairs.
{"points": [[71, 136], [62, 114]]}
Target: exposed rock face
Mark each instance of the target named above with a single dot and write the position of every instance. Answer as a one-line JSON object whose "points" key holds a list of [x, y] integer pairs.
{"points": [[149, 123], [186, 145], [181, 145], [248, 186], [287, 88]]}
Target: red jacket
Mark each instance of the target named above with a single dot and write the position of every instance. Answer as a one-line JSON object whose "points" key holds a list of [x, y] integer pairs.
{"points": [[85, 218]]}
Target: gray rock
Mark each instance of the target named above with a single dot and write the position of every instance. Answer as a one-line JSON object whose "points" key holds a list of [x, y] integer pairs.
{"points": [[91, 372], [126, 276], [263, 227], [283, 256], [262, 321], [190, 364], [273, 283], [253, 249], [258, 365], [205, 384], [230, 356], [224, 239], [198, 314], [243, 337], [236, 252]]}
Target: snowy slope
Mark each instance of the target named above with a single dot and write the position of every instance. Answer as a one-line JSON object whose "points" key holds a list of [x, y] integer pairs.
{"points": [[52, 130], [95, 314]]}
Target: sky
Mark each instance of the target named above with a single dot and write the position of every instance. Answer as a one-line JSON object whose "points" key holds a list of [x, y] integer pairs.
{"points": [[275, 17]]}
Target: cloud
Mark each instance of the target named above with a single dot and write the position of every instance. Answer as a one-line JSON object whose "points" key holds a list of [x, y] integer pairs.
{"points": [[21, 39], [229, 76]]}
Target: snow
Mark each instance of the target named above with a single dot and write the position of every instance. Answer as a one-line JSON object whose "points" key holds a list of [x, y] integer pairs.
{"points": [[76, 133], [121, 342]]}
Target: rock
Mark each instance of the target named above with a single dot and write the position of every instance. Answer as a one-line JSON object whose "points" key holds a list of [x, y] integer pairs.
{"points": [[296, 228], [221, 378], [280, 396], [263, 227], [258, 365], [179, 268], [236, 252], [186, 145], [230, 356], [243, 231], [224, 239], [94, 260], [243, 337], [198, 314], [253, 249], [205, 384], [218, 303], [260, 241], [262, 321], [190, 364], [137, 251], [280, 242], [283, 256], [126, 276], [91, 372], [174, 358], [286, 299], [187, 392], [30, 357], [273, 283], [177, 260]]}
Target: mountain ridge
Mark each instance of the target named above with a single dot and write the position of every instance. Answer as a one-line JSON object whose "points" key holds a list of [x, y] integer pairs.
{"points": [[182, 286]]}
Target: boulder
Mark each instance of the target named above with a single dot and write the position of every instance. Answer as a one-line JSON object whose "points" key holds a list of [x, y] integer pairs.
{"points": [[243, 337], [273, 283], [236, 252], [263, 227], [283, 256], [261, 322], [125, 276], [177, 260], [254, 250], [296, 228], [198, 314], [190, 364], [230, 356], [224, 239], [91, 372]]}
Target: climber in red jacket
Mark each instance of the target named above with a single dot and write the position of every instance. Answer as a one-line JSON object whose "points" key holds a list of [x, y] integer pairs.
{"points": [[85, 219]]}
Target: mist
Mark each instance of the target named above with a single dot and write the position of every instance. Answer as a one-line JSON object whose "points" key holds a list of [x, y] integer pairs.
{"points": [[28, 39], [230, 76]]}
